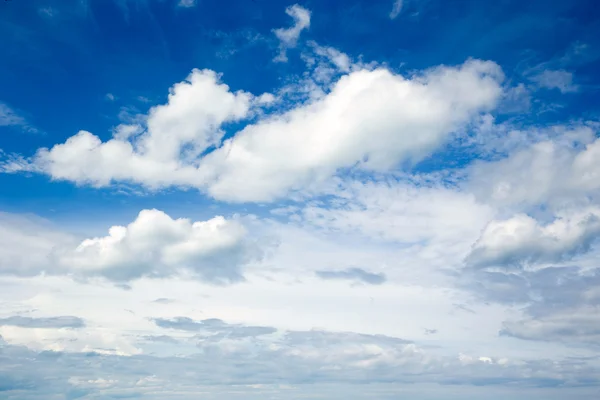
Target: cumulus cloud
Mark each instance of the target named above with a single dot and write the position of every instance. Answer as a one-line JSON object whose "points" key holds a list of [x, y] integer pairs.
{"points": [[521, 240], [41, 322], [288, 37], [176, 133], [353, 274], [153, 245], [372, 119], [556, 172], [156, 245]]}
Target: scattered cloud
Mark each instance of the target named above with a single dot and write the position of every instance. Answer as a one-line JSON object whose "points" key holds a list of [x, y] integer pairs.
{"points": [[186, 3], [48, 12], [375, 113], [559, 79], [353, 274], [153, 245], [396, 9], [110, 97], [288, 37], [156, 245], [555, 172], [9, 117]]}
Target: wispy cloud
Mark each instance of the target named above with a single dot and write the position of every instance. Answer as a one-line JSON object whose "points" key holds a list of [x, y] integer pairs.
{"points": [[187, 3], [9, 117], [353, 274], [556, 79], [396, 9], [288, 37]]}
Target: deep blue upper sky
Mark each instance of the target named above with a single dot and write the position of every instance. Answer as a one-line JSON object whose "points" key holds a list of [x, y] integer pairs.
{"points": [[62, 58]]}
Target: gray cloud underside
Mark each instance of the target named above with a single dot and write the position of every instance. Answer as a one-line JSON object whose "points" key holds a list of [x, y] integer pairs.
{"points": [[50, 322], [353, 274]]}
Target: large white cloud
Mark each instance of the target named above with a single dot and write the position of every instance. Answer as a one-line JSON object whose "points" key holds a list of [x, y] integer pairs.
{"points": [[371, 119], [153, 245], [161, 152], [521, 240], [157, 245]]}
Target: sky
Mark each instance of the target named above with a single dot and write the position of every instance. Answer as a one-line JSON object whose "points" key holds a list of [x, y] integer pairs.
{"points": [[260, 199]]}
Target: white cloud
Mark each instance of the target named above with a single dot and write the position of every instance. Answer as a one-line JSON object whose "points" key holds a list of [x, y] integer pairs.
{"points": [[555, 79], [155, 245], [554, 171], [371, 119], [163, 154], [396, 9], [288, 37], [522, 241], [26, 242], [401, 212], [9, 117], [48, 12], [187, 3]]}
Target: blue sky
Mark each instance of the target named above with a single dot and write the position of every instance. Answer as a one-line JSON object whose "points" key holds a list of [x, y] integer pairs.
{"points": [[401, 195]]}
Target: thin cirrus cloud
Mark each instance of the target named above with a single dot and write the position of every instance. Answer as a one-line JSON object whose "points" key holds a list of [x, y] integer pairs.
{"points": [[396, 9], [556, 79], [353, 274], [11, 118]]}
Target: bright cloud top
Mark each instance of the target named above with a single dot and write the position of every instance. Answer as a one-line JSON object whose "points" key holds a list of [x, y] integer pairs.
{"points": [[155, 245], [371, 119]]}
